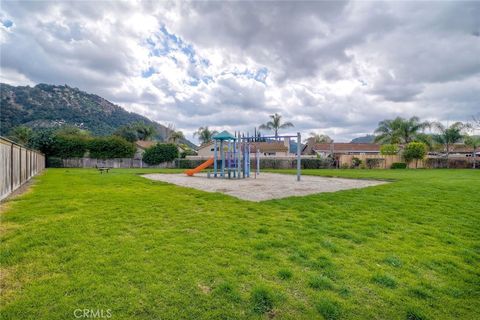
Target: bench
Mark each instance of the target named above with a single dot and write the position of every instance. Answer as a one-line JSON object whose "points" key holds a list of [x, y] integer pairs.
{"points": [[103, 169]]}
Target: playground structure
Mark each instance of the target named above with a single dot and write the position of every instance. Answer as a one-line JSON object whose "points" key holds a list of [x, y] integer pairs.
{"points": [[232, 155]]}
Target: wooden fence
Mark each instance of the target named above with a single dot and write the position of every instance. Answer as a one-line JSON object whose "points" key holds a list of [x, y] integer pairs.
{"points": [[17, 165], [385, 162], [110, 163]]}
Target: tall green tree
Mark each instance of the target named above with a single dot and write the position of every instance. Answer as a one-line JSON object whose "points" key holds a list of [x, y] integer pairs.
{"points": [[144, 131], [400, 130], [204, 134], [448, 135], [127, 132], [21, 134], [175, 137], [474, 142], [275, 124]]}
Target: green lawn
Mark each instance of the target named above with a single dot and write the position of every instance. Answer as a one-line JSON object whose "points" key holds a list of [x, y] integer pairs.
{"points": [[409, 249]]}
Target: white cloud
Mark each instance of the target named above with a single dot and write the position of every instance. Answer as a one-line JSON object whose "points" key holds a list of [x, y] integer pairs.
{"points": [[333, 67]]}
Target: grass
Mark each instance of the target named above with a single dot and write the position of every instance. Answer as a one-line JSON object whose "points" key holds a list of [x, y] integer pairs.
{"points": [[409, 249]]}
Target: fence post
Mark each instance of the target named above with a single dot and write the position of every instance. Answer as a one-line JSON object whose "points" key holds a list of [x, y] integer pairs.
{"points": [[11, 167]]}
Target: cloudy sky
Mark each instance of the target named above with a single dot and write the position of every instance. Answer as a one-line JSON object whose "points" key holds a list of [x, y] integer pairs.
{"points": [[331, 67]]}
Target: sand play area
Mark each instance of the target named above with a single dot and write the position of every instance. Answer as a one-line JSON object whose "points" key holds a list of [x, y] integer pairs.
{"points": [[265, 186]]}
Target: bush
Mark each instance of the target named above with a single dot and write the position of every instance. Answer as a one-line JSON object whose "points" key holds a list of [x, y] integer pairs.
{"points": [[110, 147], [356, 162], [161, 152], [53, 162], [389, 149], [373, 162], [414, 151], [69, 146], [399, 165]]}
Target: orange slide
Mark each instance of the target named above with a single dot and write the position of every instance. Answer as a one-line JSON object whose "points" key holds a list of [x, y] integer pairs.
{"points": [[206, 164]]}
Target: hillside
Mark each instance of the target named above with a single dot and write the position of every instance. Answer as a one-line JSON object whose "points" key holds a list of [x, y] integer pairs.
{"points": [[365, 139], [49, 105]]}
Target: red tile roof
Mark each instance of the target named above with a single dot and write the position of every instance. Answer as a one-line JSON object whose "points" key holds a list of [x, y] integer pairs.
{"points": [[145, 144], [347, 147]]}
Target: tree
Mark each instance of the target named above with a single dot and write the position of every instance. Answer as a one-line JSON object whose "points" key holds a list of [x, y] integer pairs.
{"points": [[69, 130], [175, 137], [144, 131], [389, 149], [21, 134], [319, 138], [400, 130], [127, 132], [474, 142], [205, 135], [388, 131], [276, 124], [414, 151], [161, 152], [448, 135]]}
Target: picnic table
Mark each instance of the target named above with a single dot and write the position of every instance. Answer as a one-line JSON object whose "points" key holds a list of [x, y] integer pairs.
{"points": [[103, 169]]}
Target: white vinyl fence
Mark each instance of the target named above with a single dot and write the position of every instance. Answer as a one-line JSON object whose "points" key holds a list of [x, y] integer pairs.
{"points": [[17, 165]]}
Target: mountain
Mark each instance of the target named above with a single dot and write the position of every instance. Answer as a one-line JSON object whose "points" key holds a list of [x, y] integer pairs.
{"points": [[365, 139], [49, 105]]}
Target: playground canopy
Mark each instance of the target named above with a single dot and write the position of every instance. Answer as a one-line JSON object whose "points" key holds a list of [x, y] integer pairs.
{"points": [[223, 136]]}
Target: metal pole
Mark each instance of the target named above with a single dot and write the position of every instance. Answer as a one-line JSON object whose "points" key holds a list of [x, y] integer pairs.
{"points": [[258, 161], [215, 158], [299, 159], [239, 156], [223, 159]]}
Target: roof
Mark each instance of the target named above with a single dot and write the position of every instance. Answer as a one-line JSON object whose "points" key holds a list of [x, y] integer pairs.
{"points": [[347, 147], [145, 144], [277, 146], [224, 135]]}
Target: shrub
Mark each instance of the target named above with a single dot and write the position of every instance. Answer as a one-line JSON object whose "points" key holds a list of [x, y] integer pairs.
{"points": [[356, 162], [54, 162], [262, 300], [69, 146], [373, 162], [389, 149], [161, 152], [399, 165], [414, 151], [110, 147]]}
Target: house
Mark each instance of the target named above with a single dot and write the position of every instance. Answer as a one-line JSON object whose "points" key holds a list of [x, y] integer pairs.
{"points": [[141, 146], [457, 150], [339, 148], [266, 149]]}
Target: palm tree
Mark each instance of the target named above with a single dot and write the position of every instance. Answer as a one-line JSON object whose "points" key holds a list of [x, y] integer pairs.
{"points": [[144, 131], [410, 129], [474, 142], [448, 135], [276, 124], [400, 130], [319, 138], [175, 137], [388, 131], [204, 134]]}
